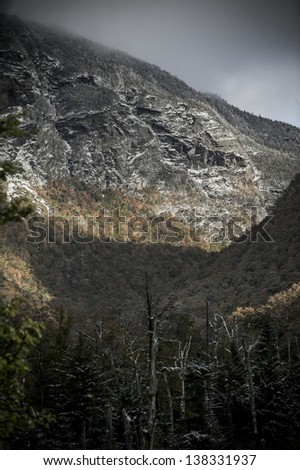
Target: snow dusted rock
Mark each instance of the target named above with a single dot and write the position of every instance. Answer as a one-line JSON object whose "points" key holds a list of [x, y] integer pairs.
{"points": [[112, 121]]}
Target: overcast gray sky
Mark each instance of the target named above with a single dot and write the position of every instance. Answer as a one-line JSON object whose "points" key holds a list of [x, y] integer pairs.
{"points": [[246, 51]]}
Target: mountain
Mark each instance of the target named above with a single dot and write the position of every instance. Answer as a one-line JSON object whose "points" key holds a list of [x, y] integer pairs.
{"points": [[151, 302], [103, 119], [105, 130]]}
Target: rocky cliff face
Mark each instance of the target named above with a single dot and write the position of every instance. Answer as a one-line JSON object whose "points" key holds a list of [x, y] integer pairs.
{"points": [[111, 121]]}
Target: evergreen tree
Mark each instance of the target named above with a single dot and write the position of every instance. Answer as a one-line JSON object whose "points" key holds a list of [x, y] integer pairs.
{"points": [[271, 376], [17, 338]]}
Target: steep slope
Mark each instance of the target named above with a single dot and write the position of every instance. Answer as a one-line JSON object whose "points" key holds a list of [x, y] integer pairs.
{"points": [[111, 121], [97, 276], [248, 272]]}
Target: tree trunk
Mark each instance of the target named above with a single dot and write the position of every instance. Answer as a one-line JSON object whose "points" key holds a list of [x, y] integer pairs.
{"points": [[109, 428], [252, 392], [170, 405], [153, 382], [140, 433], [83, 434], [127, 430], [153, 347], [183, 355]]}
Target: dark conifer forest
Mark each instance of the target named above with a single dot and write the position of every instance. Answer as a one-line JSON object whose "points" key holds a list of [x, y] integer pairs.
{"points": [[161, 363]]}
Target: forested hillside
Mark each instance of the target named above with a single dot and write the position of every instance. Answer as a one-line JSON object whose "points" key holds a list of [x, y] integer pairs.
{"points": [[92, 276], [223, 352]]}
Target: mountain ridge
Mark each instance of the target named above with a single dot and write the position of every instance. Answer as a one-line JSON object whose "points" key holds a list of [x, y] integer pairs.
{"points": [[108, 120]]}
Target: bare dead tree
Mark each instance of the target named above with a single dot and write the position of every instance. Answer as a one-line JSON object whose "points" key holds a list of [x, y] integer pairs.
{"points": [[134, 354], [127, 429], [181, 363], [109, 426], [170, 404], [149, 299], [246, 350], [153, 300]]}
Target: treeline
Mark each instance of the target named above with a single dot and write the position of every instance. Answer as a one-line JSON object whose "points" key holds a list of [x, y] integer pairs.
{"points": [[273, 134], [149, 377]]}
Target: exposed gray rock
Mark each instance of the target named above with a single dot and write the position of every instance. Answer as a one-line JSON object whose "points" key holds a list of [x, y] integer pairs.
{"points": [[112, 121]]}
